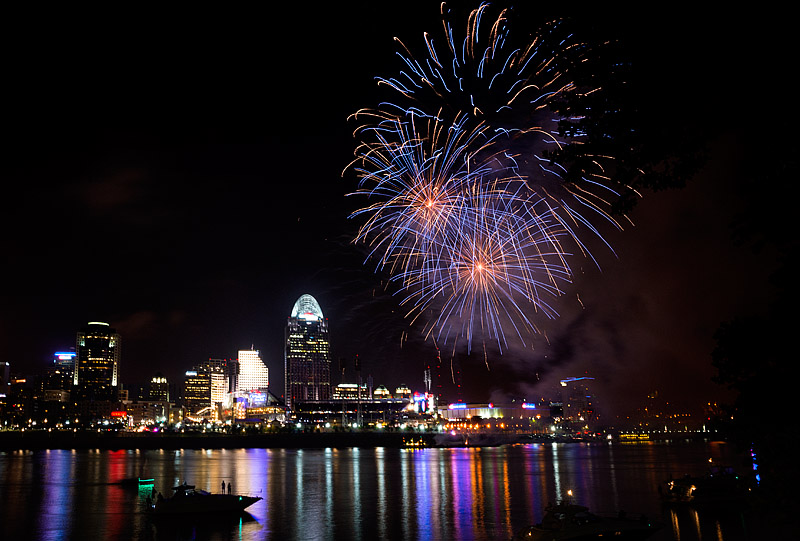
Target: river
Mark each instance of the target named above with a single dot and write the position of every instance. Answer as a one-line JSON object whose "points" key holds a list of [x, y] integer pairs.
{"points": [[356, 493]]}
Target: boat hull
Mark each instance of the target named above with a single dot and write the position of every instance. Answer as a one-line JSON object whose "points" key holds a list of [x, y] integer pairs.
{"points": [[203, 504]]}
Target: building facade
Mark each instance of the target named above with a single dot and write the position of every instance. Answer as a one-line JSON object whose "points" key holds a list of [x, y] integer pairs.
{"points": [[253, 373], [307, 355], [159, 388], [577, 399], [217, 370], [96, 372], [197, 391]]}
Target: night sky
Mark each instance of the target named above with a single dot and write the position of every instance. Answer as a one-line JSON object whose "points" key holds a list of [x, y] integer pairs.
{"points": [[179, 175]]}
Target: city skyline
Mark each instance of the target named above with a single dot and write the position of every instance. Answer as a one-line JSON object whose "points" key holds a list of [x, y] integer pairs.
{"points": [[191, 208]]}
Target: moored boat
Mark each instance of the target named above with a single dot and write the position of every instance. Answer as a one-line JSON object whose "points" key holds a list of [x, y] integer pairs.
{"points": [[717, 487], [568, 521], [188, 500], [136, 482]]}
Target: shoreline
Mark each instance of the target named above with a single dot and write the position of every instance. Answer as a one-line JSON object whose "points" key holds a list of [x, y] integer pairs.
{"points": [[113, 441], [11, 441]]}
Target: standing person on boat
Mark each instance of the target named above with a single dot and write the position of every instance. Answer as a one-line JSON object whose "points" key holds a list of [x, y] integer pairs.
{"points": [[229, 487], [223, 486]]}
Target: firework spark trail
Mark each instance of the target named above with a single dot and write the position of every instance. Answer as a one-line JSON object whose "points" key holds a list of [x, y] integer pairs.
{"points": [[496, 263], [416, 182], [467, 211]]}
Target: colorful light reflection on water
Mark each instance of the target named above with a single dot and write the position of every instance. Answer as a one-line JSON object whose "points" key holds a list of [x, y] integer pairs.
{"points": [[476, 493]]}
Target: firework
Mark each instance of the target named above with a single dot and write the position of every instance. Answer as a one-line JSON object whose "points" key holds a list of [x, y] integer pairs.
{"points": [[467, 209]]}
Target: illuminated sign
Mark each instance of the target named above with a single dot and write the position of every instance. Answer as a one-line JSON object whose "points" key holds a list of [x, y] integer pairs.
{"points": [[458, 406], [257, 398], [527, 406], [119, 413], [65, 355], [191, 373]]}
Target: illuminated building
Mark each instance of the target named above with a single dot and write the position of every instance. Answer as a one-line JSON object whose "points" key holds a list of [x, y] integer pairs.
{"points": [[464, 410], [381, 392], [5, 382], [307, 354], [231, 372], [196, 391], [159, 388], [60, 374], [577, 400], [253, 373], [97, 362], [388, 411], [216, 369], [403, 391], [349, 391]]}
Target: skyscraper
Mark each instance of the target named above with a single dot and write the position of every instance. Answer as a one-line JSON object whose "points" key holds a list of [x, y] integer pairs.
{"points": [[577, 399], [307, 355], [253, 373], [216, 369], [196, 390], [159, 388], [60, 374], [97, 357]]}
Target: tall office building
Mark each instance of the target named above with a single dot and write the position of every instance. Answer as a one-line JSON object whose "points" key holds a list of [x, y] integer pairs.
{"points": [[196, 390], [5, 379], [97, 358], [217, 371], [253, 373], [307, 356], [59, 375], [577, 399], [159, 388]]}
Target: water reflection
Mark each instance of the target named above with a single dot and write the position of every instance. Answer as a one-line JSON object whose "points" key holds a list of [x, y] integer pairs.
{"points": [[486, 493]]}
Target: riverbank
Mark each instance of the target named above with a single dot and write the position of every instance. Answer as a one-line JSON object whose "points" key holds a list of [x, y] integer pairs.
{"points": [[32, 440]]}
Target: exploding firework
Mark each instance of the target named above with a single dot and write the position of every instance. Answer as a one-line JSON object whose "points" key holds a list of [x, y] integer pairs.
{"points": [[468, 210]]}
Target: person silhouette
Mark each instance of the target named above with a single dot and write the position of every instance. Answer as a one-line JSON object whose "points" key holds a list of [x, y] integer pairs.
{"points": [[229, 487], [223, 486]]}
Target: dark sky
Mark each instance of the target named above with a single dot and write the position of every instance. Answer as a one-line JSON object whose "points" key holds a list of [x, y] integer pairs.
{"points": [[179, 176]]}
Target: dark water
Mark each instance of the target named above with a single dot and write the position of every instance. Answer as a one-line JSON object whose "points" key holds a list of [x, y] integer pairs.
{"points": [[487, 493]]}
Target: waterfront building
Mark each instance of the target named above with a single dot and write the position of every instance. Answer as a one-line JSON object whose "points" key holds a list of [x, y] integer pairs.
{"points": [[5, 380], [217, 370], [253, 373], [346, 412], [97, 361], [59, 375], [349, 391], [523, 416], [150, 412], [307, 355], [231, 372], [197, 391], [403, 391], [577, 400], [159, 388]]}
